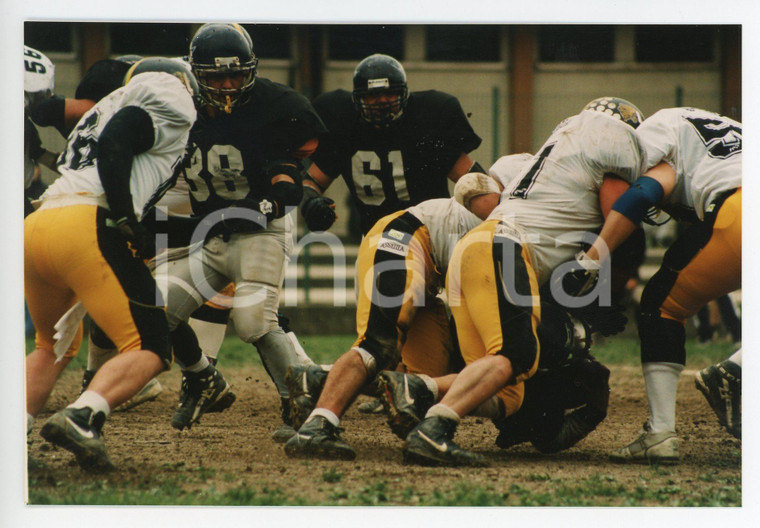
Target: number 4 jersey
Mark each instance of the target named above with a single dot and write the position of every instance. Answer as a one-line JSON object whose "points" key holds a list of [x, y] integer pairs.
{"points": [[703, 148], [391, 168], [172, 111], [553, 203]]}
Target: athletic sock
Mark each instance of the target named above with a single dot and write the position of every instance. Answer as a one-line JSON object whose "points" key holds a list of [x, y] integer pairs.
{"points": [[661, 380], [443, 411]]}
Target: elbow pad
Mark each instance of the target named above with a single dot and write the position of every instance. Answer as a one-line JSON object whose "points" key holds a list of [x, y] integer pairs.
{"points": [[643, 194]]}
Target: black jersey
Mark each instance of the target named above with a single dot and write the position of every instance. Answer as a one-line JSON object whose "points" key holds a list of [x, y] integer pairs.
{"points": [[230, 153], [390, 168]]}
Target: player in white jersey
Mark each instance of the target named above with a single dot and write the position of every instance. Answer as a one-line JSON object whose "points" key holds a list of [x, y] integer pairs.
{"points": [[85, 244], [400, 270], [694, 161], [495, 273], [39, 84]]}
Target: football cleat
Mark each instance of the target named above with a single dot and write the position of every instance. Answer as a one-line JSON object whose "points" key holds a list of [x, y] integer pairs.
{"points": [[431, 444], [374, 406], [649, 448], [405, 398], [148, 393], [318, 438], [79, 431], [304, 384], [721, 385], [205, 389], [286, 430]]}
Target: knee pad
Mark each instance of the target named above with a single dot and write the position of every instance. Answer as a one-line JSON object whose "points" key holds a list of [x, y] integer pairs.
{"points": [[662, 340], [370, 363], [255, 311]]}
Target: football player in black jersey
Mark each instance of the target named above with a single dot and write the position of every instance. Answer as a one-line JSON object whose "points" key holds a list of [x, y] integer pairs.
{"points": [[244, 173], [393, 148]]}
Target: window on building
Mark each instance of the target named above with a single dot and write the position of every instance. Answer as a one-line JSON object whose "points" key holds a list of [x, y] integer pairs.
{"points": [[150, 39], [270, 41], [463, 43], [355, 42], [576, 43], [48, 36], [674, 43]]}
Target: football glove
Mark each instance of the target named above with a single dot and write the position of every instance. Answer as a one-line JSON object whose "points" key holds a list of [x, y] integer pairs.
{"points": [[319, 213], [582, 276], [141, 240]]}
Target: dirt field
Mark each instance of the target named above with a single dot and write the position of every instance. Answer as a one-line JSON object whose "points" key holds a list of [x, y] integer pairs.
{"points": [[233, 450]]}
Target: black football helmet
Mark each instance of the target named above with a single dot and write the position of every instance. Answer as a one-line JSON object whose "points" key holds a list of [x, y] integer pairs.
{"points": [[223, 49], [618, 109], [380, 74], [176, 67]]}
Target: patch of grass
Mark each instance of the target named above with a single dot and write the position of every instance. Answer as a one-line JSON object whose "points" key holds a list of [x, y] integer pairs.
{"points": [[331, 475]]}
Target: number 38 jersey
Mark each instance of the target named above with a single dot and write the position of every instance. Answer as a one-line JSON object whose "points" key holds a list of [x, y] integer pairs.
{"points": [[391, 168], [703, 148], [172, 111], [553, 203], [230, 153]]}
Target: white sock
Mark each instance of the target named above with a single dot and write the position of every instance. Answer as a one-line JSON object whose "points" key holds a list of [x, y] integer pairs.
{"points": [[430, 384], [737, 357], [96, 355], [661, 380], [489, 409], [29, 422], [94, 401], [199, 366], [325, 413], [210, 336], [443, 411]]}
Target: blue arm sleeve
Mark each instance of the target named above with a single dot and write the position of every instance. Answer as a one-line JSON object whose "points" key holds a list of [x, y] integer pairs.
{"points": [[643, 194]]}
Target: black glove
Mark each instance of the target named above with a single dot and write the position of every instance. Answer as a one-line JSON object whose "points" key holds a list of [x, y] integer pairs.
{"points": [[607, 320], [142, 241], [582, 275], [319, 213]]}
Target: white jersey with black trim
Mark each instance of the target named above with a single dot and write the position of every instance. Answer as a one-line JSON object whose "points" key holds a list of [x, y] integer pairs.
{"points": [[703, 148], [447, 221], [507, 168], [172, 111], [554, 201]]}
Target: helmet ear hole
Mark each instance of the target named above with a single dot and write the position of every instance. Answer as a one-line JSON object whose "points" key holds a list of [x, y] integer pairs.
{"points": [[379, 75]]}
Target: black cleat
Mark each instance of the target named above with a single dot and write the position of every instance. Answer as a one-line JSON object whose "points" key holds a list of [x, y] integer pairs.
{"points": [[204, 389], [304, 384], [79, 431], [721, 385], [431, 444], [318, 438], [405, 398]]}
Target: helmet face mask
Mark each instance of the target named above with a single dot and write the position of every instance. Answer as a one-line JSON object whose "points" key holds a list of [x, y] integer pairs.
{"points": [[222, 59], [380, 91], [617, 108]]}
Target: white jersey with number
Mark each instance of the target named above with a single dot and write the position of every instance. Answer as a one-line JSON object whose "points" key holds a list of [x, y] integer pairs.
{"points": [[39, 83], [447, 221], [507, 168], [170, 107], [553, 204], [703, 148]]}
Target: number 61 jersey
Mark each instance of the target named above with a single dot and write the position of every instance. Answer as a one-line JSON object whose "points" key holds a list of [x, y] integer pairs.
{"points": [[172, 111], [553, 204], [703, 148], [391, 168]]}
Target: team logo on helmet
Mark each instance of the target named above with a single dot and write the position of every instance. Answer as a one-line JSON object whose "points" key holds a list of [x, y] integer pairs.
{"points": [[617, 108]]}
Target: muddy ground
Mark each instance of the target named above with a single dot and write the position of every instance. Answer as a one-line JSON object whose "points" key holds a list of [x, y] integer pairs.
{"points": [[234, 449]]}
